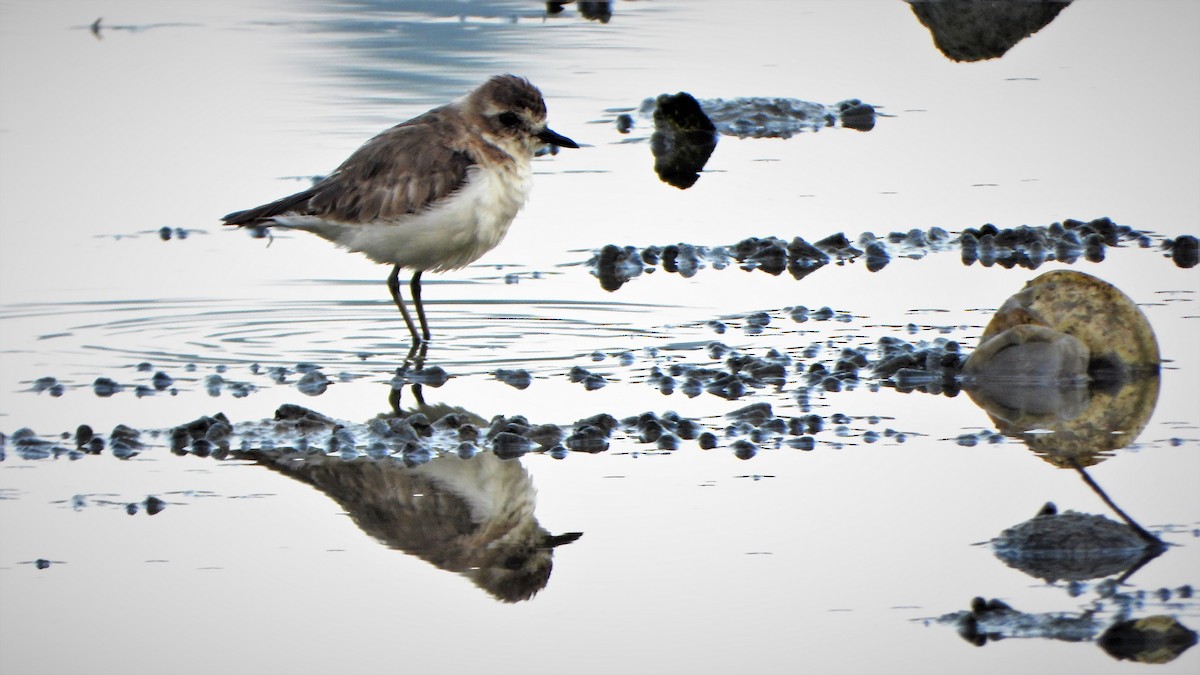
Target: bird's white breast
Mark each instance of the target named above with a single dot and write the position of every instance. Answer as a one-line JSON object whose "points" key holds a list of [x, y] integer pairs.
{"points": [[450, 234]]}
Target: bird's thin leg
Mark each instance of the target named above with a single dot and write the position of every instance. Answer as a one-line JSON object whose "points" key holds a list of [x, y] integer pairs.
{"points": [[416, 356], [415, 289], [394, 400], [393, 283]]}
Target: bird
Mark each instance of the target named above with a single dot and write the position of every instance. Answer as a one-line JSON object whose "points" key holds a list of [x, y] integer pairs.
{"points": [[431, 194]]}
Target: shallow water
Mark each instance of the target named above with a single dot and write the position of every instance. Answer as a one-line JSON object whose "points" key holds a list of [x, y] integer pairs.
{"points": [[691, 560]]}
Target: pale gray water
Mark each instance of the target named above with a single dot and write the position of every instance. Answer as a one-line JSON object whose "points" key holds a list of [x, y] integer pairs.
{"points": [[827, 560]]}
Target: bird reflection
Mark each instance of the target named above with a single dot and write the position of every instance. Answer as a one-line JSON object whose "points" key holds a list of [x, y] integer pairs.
{"points": [[472, 516]]}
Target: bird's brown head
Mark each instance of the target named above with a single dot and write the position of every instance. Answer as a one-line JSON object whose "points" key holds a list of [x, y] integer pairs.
{"points": [[512, 112]]}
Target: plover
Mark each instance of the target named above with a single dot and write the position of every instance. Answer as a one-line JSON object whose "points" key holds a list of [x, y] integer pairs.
{"points": [[431, 194]]}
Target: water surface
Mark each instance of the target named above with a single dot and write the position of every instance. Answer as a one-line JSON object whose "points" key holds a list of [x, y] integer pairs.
{"points": [[839, 558]]}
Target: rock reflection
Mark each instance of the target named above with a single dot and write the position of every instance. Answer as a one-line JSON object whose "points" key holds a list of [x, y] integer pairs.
{"points": [[1152, 639], [686, 130], [970, 30], [416, 483], [754, 116], [1072, 546], [683, 139], [1069, 365]]}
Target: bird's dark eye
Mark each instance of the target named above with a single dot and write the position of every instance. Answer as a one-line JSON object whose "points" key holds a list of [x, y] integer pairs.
{"points": [[509, 119]]}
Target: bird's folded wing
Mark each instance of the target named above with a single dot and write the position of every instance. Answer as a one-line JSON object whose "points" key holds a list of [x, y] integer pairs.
{"points": [[403, 170]]}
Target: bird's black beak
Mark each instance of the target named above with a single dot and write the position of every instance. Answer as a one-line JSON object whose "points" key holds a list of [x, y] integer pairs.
{"points": [[554, 540], [555, 138]]}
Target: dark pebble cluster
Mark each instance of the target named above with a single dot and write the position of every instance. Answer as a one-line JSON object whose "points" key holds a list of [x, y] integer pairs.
{"points": [[1026, 246], [413, 439], [750, 430], [1030, 247], [930, 368], [151, 505], [306, 377], [433, 376], [123, 442], [167, 233], [738, 374], [821, 367], [614, 265]]}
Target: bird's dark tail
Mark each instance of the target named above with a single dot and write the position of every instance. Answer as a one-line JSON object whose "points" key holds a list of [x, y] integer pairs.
{"points": [[261, 215]]}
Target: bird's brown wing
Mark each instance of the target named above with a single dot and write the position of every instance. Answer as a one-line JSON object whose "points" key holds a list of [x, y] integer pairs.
{"points": [[402, 170], [388, 501]]}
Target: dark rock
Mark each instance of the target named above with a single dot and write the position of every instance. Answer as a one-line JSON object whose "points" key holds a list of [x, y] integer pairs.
{"points": [[154, 505], [877, 257], [518, 379], [546, 435], [857, 115], [743, 449], [755, 414], [682, 141], [587, 438], [508, 445], [105, 387], [1184, 251], [968, 30]]}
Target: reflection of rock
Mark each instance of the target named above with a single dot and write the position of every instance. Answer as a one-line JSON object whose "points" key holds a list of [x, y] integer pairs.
{"points": [[1184, 250], [1070, 354], [1154, 639], [976, 30], [1025, 246], [683, 139], [772, 117], [615, 265], [993, 620], [1032, 246], [1072, 546], [461, 510], [755, 116]]}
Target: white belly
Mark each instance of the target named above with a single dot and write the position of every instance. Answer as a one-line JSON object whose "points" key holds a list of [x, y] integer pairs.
{"points": [[452, 234]]}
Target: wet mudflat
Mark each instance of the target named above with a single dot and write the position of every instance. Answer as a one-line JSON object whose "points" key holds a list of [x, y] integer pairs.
{"points": [[662, 428]]}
